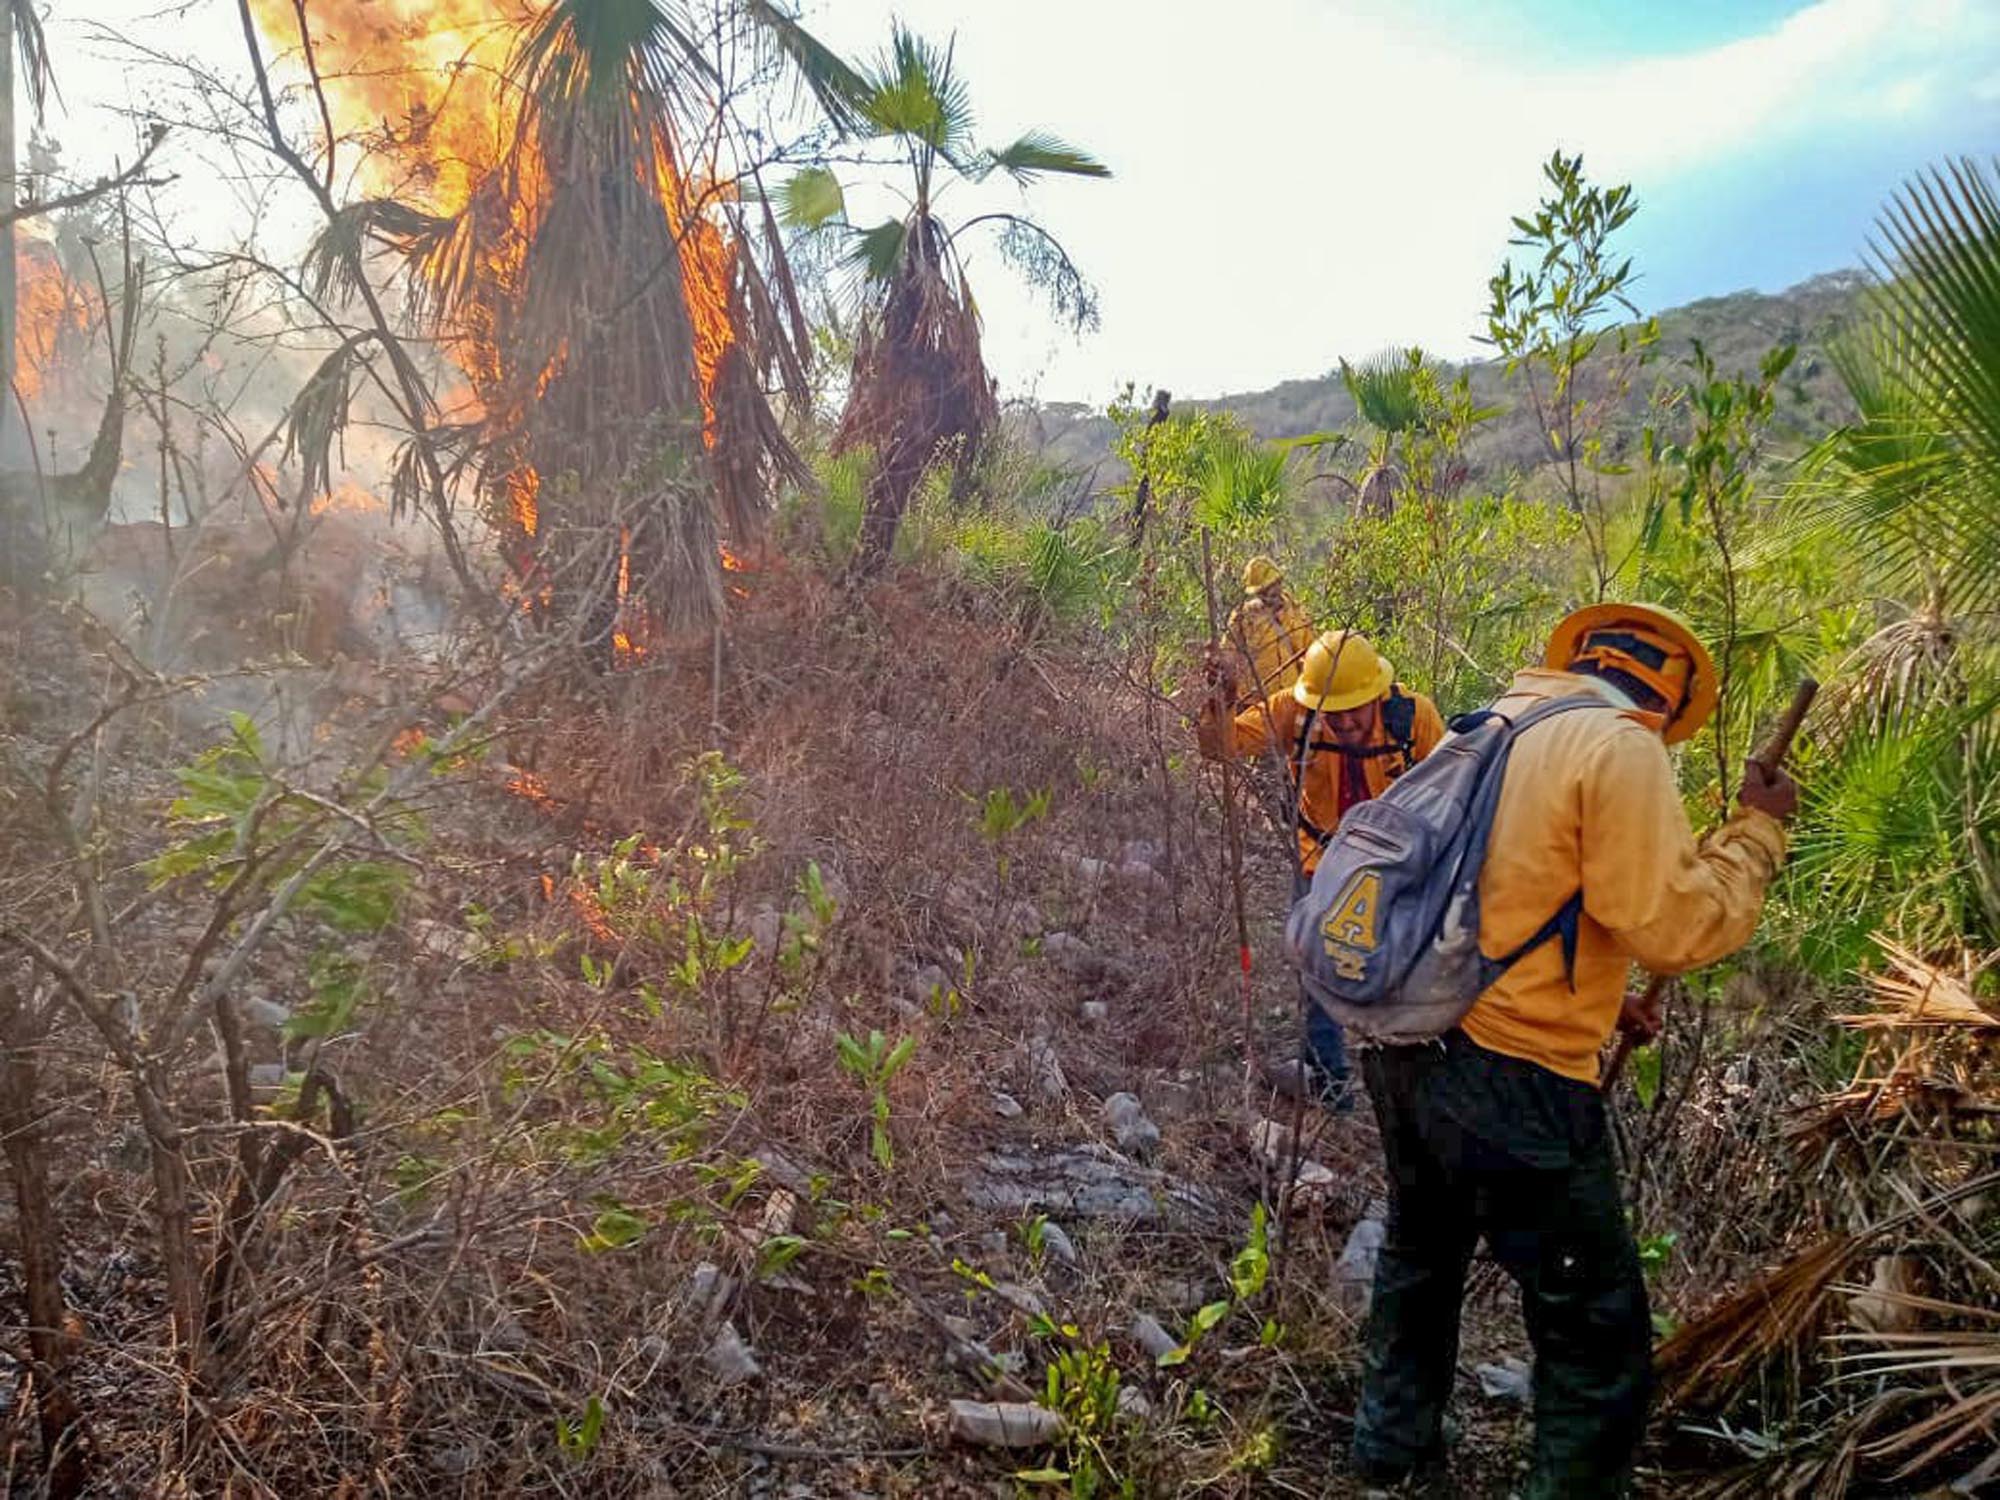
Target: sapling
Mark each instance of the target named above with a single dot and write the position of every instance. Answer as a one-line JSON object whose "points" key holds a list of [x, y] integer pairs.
{"points": [[873, 1064]]}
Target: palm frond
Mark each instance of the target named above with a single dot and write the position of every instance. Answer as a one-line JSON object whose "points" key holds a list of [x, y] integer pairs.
{"points": [[811, 199], [1386, 390], [334, 256], [610, 54], [1242, 482], [1718, 1354], [1043, 262], [1939, 251], [317, 418], [1039, 152], [879, 251], [33, 44], [915, 92], [838, 88]]}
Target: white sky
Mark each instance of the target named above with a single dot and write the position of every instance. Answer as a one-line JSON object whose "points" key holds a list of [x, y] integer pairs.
{"points": [[1299, 180]]}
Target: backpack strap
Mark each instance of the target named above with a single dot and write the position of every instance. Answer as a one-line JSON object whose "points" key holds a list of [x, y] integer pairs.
{"points": [[1399, 720], [1561, 923]]}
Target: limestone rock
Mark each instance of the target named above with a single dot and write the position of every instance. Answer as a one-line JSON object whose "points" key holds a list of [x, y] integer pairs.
{"points": [[1135, 1133], [1354, 1272], [1084, 1182], [1149, 1335], [1045, 1072], [255, 1010], [1005, 1424], [1057, 1243], [729, 1359], [1507, 1380]]}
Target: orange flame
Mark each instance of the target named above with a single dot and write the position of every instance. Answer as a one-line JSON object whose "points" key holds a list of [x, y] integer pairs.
{"points": [[51, 316], [346, 496], [524, 486], [422, 87], [530, 787]]}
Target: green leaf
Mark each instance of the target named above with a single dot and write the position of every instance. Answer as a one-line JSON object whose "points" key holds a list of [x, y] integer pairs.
{"points": [[839, 89], [616, 1228], [358, 897], [1646, 1075], [811, 199], [1206, 1318], [1252, 1263], [850, 1054], [578, 1440], [777, 1253]]}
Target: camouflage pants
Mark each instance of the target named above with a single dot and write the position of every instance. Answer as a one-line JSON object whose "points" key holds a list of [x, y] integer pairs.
{"points": [[1478, 1144]]}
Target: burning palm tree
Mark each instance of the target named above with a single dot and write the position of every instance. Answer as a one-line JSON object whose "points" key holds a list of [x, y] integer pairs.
{"points": [[596, 283], [920, 393]]}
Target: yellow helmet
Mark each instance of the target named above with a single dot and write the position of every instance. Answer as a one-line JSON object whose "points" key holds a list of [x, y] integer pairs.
{"points": [[1341, 670], [1651, 643], [1259, 574]]}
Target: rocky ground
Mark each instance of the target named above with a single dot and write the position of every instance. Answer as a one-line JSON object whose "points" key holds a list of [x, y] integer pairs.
{"points": [[599, 1229]]}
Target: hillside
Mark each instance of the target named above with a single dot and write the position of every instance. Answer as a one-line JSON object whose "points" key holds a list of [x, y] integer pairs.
{"points": [[1736, 329]]}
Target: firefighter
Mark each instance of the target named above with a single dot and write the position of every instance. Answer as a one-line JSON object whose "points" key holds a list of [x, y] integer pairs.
{"points": [[1346, 729], [1498, 1129], [1270, 631]]}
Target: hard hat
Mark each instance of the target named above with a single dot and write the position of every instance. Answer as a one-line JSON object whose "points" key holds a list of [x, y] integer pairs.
{"points": [[1259, 574], [1651, 643], [1341, 670]]}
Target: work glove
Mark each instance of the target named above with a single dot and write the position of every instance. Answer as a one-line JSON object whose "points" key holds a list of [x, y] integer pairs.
{"points": [[1641, 1015], [1771, 792]]}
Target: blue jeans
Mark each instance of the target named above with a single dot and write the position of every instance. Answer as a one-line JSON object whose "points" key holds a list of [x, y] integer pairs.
{"points": [[1325, 1049]]}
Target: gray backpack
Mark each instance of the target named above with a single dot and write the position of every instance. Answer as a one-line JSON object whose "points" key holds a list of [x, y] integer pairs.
{"points": [[1387, 938]]}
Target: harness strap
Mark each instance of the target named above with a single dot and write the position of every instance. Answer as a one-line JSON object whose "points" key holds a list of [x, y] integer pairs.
{"points": [[1562, 923]]}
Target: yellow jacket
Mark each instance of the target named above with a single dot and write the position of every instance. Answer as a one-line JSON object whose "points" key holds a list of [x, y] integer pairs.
{"points": [[1273, 642], [1590, 804], [1333, 782]]}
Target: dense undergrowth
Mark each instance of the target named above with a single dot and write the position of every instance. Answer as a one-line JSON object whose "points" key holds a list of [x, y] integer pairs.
{"points": [[690, 1069]]}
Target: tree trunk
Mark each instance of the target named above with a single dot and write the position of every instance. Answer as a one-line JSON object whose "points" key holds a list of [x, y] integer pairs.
{"points": [[9, 198], [41, 1248]]}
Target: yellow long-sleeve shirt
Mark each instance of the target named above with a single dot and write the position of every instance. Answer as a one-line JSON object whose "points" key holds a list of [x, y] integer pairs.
{"points": [[1333, 782], [1273, 640], [1590, 804]]}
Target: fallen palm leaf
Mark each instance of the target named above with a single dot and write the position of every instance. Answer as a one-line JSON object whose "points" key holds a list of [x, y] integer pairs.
{"points": [[1718, 1354], [1921, 994]]}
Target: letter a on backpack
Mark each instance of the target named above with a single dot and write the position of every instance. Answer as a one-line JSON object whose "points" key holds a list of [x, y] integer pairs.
{"points": [[1348, 933]]}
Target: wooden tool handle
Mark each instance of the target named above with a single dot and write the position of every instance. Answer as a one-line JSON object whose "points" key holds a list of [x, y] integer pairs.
{"points": [[1779, 745]]}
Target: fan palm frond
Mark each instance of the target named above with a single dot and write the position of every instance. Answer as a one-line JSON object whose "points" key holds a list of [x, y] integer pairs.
{"points": [[811, 199], [1918, 473], [915, 92], [1243, 482], [1387, 390], [32, 43], [1039, 152], [836, 86]]}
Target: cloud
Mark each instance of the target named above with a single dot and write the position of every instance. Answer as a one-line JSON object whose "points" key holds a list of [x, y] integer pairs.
{"points": [[1303, 179]]}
